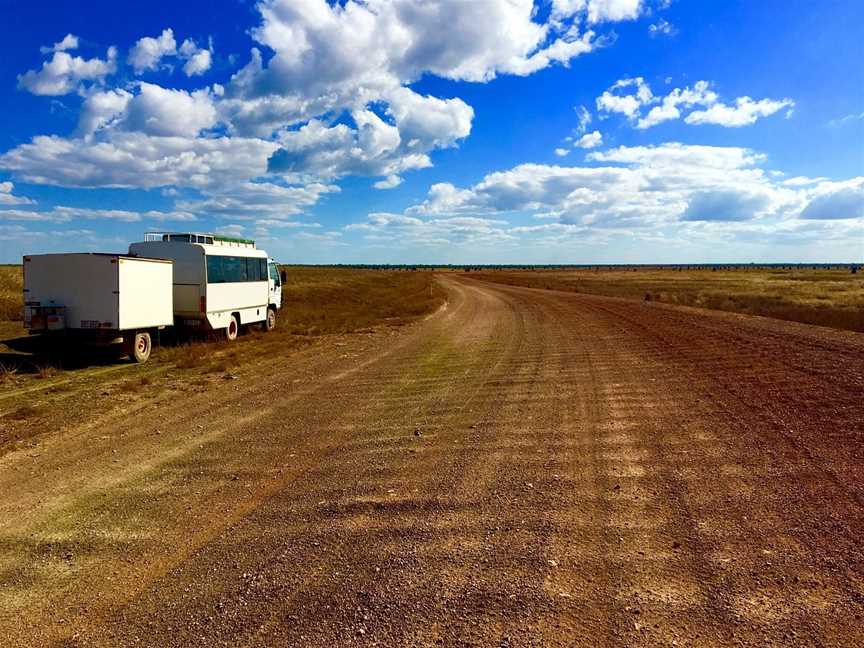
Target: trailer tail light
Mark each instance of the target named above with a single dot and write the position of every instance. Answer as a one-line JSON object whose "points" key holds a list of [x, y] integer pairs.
{"points": [[55, 322], [203, 303]]}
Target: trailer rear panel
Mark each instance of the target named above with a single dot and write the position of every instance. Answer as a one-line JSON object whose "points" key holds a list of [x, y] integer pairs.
{"points": [[97, 291]]}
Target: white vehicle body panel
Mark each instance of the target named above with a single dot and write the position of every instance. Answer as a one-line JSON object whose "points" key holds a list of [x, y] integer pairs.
{"points": [[100, 291], [190, 277]]}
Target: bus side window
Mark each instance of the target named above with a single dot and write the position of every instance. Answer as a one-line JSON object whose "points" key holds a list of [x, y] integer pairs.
{"points": [[215, 270], [274, 275], [253, 270], [234, 269]]}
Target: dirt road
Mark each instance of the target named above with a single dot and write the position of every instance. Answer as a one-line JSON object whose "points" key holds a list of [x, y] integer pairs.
{"points": [[523, 468]]}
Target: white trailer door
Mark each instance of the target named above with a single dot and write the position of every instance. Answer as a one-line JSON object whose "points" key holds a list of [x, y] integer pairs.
{"points": [[146, 293]]}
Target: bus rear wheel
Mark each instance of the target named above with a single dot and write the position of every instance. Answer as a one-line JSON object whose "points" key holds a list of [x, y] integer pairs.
{"points": [[233, 328], [139, 346]]}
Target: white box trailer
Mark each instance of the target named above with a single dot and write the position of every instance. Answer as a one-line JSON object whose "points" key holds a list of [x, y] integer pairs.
{"points": [[99, 298]]}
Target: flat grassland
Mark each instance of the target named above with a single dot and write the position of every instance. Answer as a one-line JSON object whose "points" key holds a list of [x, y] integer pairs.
{"points": [[824, 297], [320, 300], [340, 300], [316, 301], [11, 284]]}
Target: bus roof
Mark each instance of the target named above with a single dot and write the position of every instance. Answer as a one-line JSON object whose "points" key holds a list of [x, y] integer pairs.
{"points": [[200, 238]]}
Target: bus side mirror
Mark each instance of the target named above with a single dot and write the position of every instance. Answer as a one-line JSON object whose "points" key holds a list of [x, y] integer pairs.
{"points": [[284, 276]]}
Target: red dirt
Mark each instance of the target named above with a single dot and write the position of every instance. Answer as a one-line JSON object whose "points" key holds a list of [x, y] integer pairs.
{"points": [[523, 468]]}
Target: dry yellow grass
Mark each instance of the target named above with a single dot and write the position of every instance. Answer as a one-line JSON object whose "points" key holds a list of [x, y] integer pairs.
{"points": [[832, 298], [318, 301], [338, 300], [11, 285]]}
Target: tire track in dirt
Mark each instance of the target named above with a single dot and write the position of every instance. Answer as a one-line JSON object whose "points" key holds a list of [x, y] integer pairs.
{"points": [[373, 400], [636, 496], [788, 613]]}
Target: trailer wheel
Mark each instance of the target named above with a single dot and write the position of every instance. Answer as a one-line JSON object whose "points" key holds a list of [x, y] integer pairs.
{"points": [[139, 347], [233, 328], [270, 321]]}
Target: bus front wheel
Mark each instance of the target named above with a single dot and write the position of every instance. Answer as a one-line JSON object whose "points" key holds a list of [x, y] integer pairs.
{"points": [[269, 322]]}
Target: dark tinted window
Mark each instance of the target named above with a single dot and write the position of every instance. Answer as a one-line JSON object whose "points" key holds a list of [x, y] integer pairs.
{"points": [[215, 273], [255, 270], [235, 268], [232, 269]]}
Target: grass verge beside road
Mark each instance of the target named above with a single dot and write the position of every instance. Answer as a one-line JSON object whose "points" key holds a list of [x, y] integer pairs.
{"points": [[321, 305], [833, 298]]}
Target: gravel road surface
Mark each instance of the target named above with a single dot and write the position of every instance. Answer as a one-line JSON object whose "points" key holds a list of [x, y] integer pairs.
{"points": [[522, 468]]}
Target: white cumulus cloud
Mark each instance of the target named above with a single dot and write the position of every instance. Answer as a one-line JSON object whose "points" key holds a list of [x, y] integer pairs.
{"points": [[598, 10], [744, 113], [373, 147], [68, 42], [198, 59], [161, 111], [257, 201], [590, 140], [101, 109], [345, 55], [389, 182], [137, 160], [65, 73], [327, 93], [62, 214], [148, 52], [9, 200], [836, 201], [584, 119], [427, 122], [670, 192], [629, 103], [638, 187], [630, 97], [699, 95], [661, 28]]}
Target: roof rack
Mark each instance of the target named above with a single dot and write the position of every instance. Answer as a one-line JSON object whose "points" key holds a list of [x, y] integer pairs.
{"points": [[199, 238]]}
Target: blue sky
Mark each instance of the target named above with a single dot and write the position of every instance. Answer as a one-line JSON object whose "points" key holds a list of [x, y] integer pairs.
{"points": [[412, 131]]}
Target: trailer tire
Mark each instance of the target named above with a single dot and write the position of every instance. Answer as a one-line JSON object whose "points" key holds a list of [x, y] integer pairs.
{"points": [[269, 322], [139, 347], [233, 328]]}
